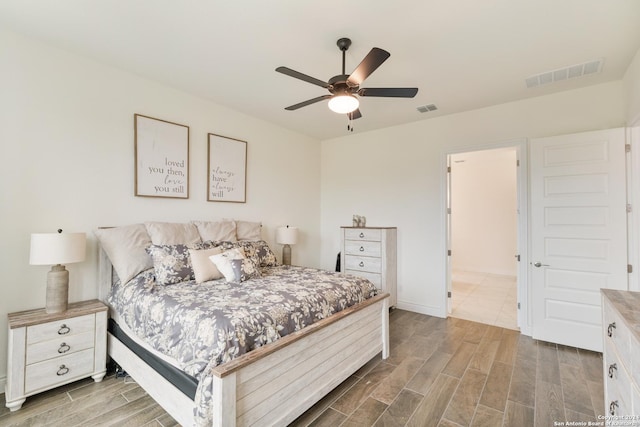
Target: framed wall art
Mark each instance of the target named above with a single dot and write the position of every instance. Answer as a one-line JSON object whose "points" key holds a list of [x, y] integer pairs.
{"points": [[161, 158], [227, 167]]}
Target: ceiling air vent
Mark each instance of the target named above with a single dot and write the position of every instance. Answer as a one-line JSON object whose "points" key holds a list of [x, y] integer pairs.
{"points": [[427, 108], [570, 72]]}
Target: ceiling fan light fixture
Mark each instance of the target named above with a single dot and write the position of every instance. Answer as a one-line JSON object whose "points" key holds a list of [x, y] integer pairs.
{"points": [[343, 104]]}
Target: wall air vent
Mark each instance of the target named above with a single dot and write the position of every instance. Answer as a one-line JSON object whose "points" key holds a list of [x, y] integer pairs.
{"points": [[570, 72], [427, 108]]}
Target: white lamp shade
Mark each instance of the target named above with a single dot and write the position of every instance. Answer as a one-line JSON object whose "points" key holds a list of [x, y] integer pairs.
{"points": [[287, 235], [343, 104], [57, 248]]}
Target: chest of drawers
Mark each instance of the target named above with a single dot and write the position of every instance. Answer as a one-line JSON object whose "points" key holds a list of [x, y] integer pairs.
{"points": [[370, 252], [621, 325], [49, 350]]}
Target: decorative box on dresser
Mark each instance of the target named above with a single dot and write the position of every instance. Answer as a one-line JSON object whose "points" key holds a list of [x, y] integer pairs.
{"points": [[621, 324], [49, 350], [370, 252]]}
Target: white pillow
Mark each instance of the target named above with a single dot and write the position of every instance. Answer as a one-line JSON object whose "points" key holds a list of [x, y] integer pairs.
{"points": [[172, 233], [126, 248], [224, 230], [235, 266], [247, 230], [203, 268]]}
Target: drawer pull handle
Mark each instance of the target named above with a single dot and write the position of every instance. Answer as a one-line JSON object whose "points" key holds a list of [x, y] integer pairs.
{"points": [[361, 248], [612, 368], [64, 329], [612, 407], [610, 329], [64, 347], [361, 235], [63, 370], [361, 264]]}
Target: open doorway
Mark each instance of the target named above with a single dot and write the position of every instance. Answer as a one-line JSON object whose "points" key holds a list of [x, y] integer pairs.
{"points": [[483, 236]]}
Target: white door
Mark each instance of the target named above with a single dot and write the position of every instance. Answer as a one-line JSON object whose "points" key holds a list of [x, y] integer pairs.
{"points": [[578, 233]]}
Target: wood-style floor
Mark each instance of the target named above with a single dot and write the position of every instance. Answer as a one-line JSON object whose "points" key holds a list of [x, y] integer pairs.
{"points": [[441, 372]]}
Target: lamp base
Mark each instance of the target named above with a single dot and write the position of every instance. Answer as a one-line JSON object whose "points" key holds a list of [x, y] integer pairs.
{"points": [[57, 289], [286, 255]]}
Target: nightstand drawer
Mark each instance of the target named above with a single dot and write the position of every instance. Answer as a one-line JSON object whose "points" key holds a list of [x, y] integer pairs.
{"points": [[57, 371], [362, 248], [374, 278], [62, 345], [363, 234], [361, 263], [61, 328]]}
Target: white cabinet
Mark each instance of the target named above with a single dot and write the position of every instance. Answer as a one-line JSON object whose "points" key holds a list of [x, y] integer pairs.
{"points": [[49, 350], [621, 314], [370, 252]]}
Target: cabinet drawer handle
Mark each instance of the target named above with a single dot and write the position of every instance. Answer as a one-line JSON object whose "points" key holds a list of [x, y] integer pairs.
{"points": [[64, 329], [361, 264], [361, 248], [612, 407], [612, 368], [63, 370], [64, 347], [610, 329], [361, 235]]}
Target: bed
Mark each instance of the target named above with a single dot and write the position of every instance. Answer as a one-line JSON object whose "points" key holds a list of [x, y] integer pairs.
{"points": [[281, 369]]}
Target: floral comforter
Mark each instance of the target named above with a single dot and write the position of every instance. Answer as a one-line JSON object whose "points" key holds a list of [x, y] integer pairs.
{"points": [[204, 325]]}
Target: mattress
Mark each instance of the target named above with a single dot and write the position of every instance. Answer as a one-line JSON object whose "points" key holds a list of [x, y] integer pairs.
{"points": [[182, 381]]}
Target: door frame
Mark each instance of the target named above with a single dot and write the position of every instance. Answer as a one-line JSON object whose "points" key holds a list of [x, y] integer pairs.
{"points": [[521, 147], [633, 218]]}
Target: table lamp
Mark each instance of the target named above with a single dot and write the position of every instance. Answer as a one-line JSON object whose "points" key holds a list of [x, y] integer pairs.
{"points": [[56, 249], [286, 236]]}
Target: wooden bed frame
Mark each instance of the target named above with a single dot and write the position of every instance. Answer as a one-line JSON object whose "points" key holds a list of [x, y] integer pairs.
{"points": [[276, 383]]}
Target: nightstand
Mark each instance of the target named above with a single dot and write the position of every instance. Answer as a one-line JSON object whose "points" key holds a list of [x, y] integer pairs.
{"points": [[49, 350]]}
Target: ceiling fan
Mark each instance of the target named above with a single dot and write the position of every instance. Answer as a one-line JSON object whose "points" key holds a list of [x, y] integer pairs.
{"points": [[344, 87]]}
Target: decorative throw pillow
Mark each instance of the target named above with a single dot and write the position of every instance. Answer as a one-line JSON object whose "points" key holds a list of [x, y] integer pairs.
{"points": [[203, 268], [235, 266], [126, 248], [172, 233], [171, 263], [224, 230], [259, 251]]}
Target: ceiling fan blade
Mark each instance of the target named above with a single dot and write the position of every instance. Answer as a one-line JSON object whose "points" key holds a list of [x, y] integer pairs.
{"points": [[308, 102], [389, 92], [304, 77], [369, 64], [355, 114]]}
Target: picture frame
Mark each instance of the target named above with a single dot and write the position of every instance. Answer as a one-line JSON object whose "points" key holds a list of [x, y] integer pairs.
{"points": [[161, 158], [227, 169]]}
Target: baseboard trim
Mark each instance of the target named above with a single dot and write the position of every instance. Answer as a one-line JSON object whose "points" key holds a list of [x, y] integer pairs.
{"points": [[3, 384], [422, 309]]}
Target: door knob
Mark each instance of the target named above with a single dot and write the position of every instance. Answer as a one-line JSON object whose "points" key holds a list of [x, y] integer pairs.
{"points": [[539, 264]]}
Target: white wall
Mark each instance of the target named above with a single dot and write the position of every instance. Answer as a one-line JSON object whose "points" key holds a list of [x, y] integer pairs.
{"points": [[66, 135], [484, 211], [631, 82], [396, 176]]}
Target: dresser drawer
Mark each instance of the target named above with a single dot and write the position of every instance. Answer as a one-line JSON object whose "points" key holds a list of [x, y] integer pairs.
{"points": [[62, 328], [365, 248], [616, 332], [60, 370], [62, 345], [361, 263], [363, 234], [374, 278], [619, 388]]}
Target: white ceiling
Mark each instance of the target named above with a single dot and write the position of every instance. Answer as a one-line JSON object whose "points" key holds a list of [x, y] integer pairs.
{"points": [[461, 54]]}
